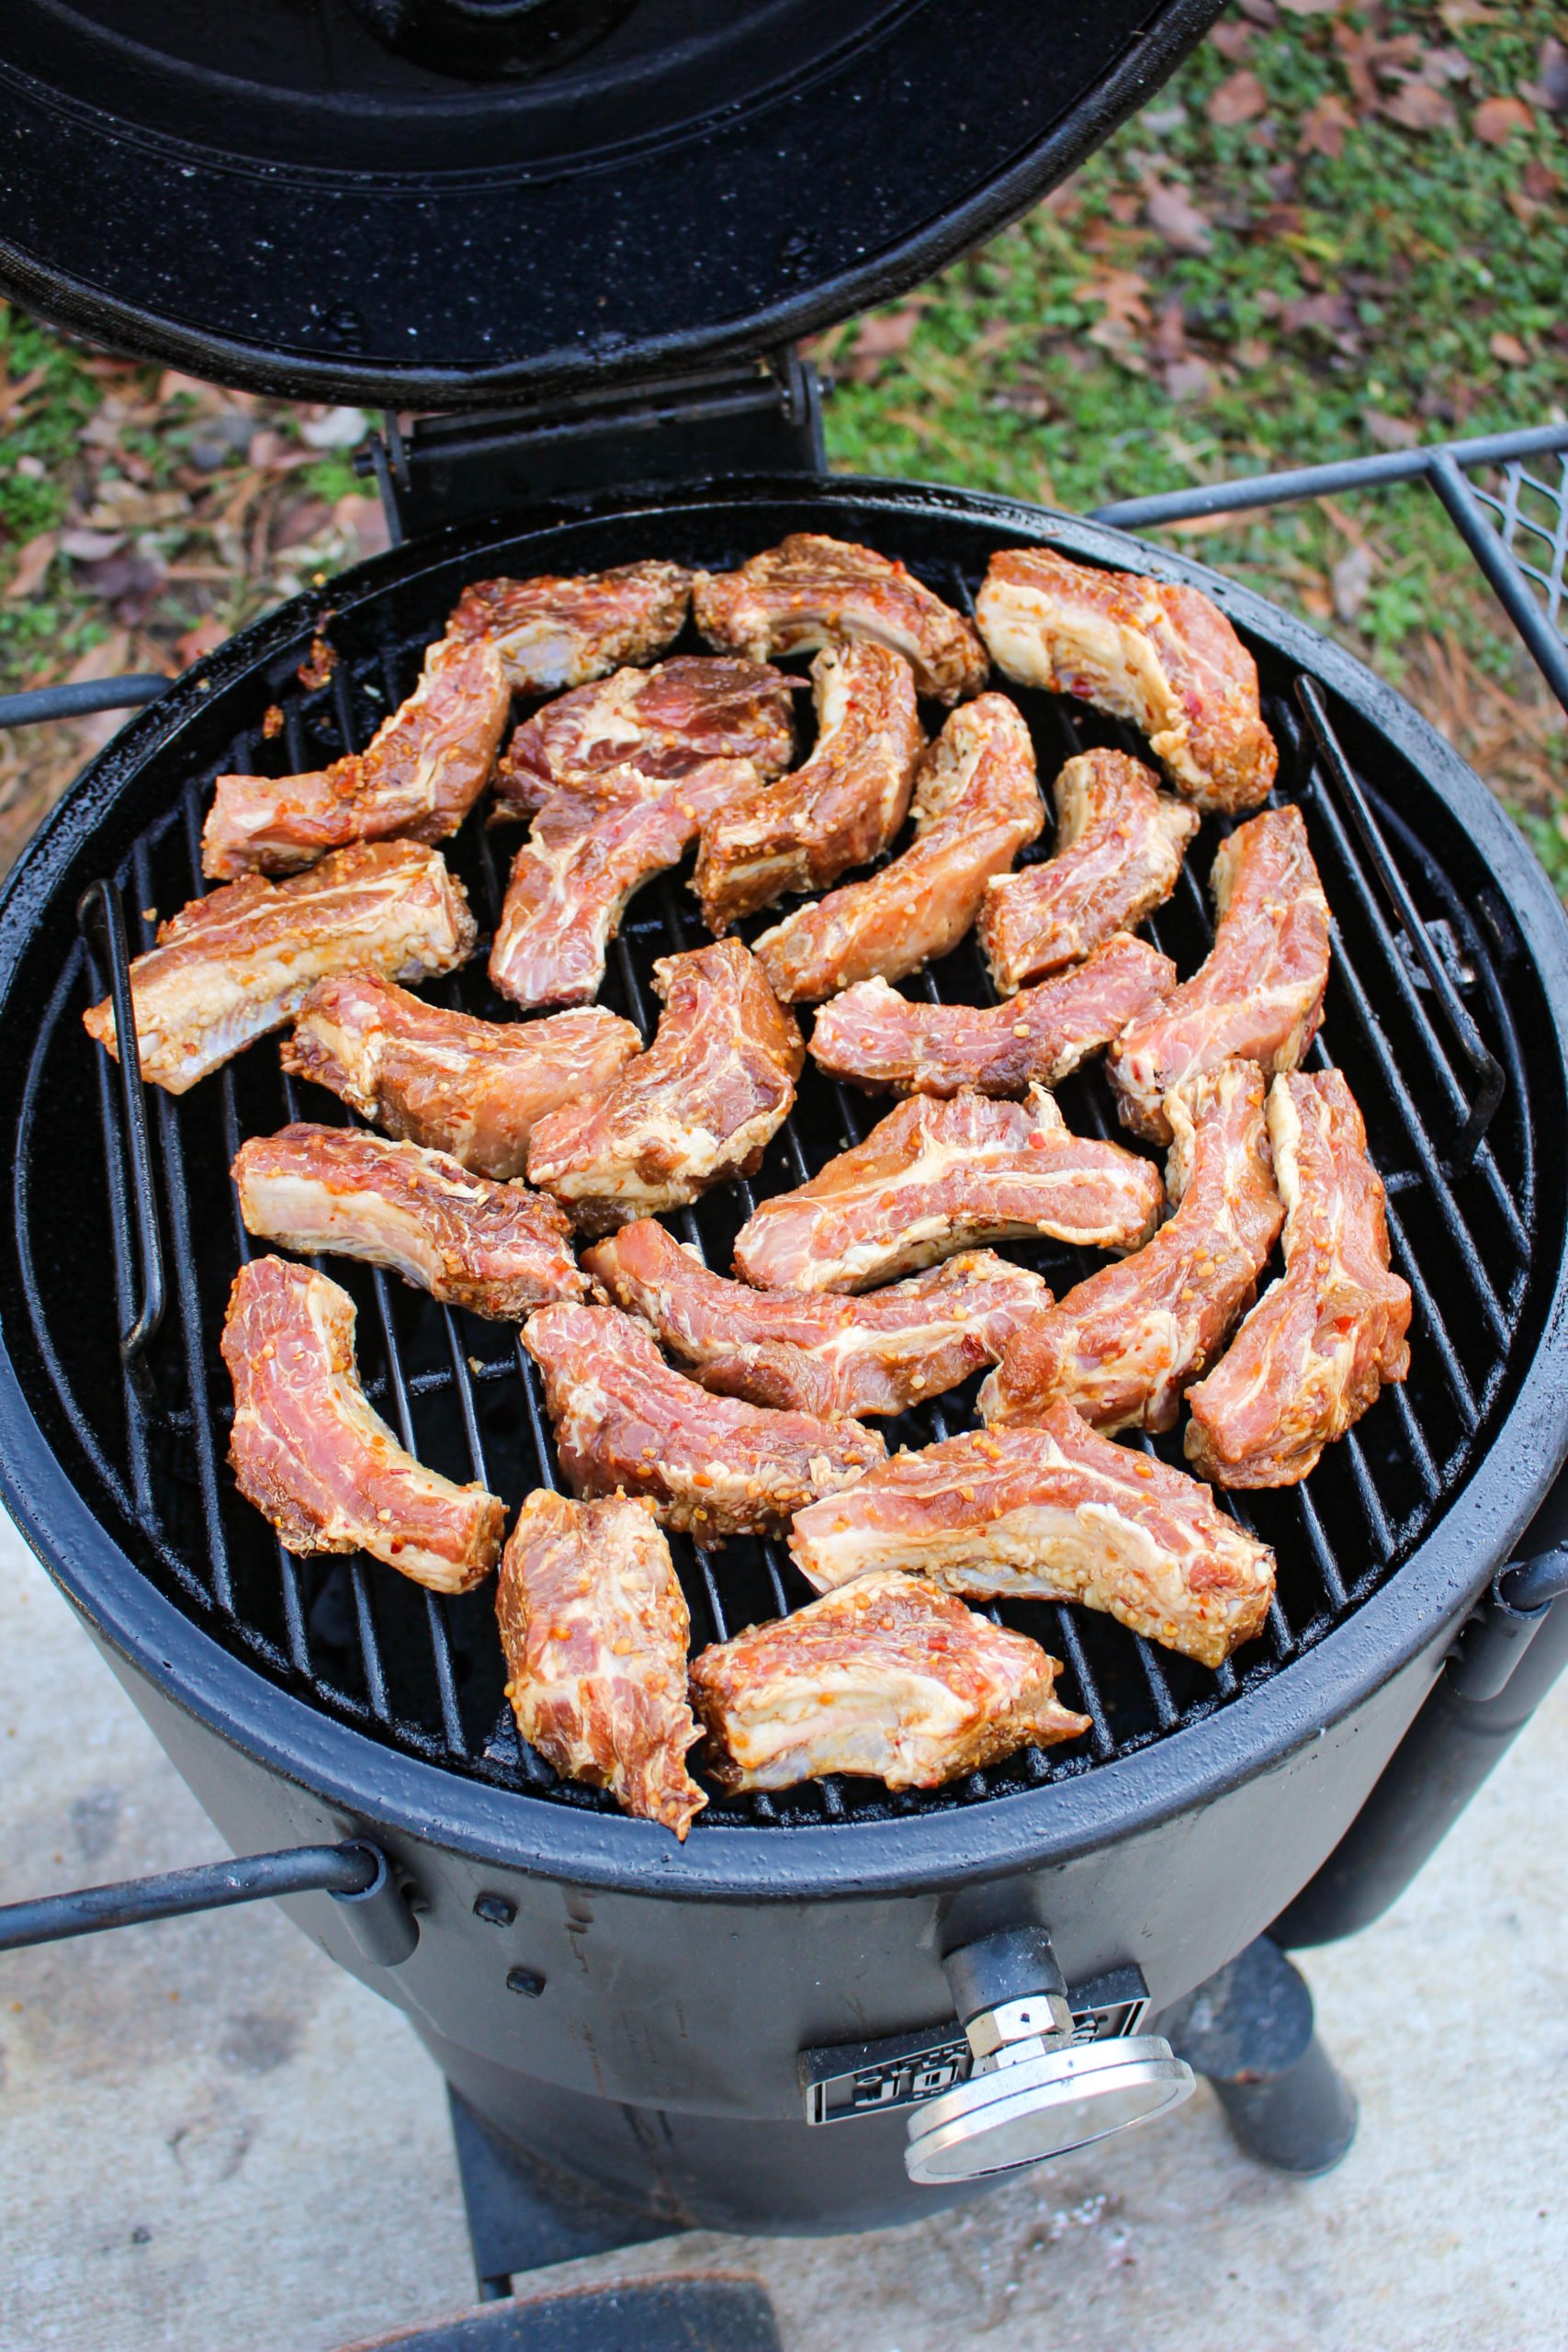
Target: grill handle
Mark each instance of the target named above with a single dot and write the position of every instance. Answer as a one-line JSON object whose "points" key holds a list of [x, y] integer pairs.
{"points": [[99, 916], [77, 698], [355, 1874]]}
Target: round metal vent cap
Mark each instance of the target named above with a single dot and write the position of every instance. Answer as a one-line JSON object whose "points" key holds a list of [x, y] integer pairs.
{"points": [[1044, 2107]]}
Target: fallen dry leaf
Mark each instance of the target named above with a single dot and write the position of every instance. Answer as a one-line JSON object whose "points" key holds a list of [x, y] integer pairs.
{"points": [[1173, 216], [196, 644], [1390, 432], [32, 561], [1549, 89], [1241, 97], [1189, 380], [1509, 350], [1496, 119], [1350, 582], [1312, 7], [1232, 41], [885, 332], [1457, 13], [1417, 106], [1325, 126]]}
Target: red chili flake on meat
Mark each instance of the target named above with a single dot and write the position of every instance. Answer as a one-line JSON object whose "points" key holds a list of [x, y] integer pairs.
{"points": [[315, 672], [272, 722]]}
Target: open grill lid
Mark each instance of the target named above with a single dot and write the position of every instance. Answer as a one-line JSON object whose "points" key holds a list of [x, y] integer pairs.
{"points": [[290, 197]]}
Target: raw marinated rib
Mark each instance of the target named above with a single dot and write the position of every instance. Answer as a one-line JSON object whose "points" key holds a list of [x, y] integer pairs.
{"points": [[1118, 849], [701, 1104], [1122, 1346], [1316, 1350], [229, 966], [878, 1039], [977, 804], [471, 1088], [889, 1680], [314, 1457], [1258, 998], [935, 1177], [1164, 657], [594, 1627], [1052, 1511], [812, 591], [814, 1354], [416, 780], [552, 632], [840, 809], [495, 1249], [661, 722], [589, 848], [626, 1423]]}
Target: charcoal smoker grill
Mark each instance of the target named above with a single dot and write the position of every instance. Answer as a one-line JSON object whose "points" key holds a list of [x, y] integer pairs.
{"points": [[761, 2031]]}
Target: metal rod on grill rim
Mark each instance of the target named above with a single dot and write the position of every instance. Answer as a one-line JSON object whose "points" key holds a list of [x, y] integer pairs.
{"points": [[98, 909]]}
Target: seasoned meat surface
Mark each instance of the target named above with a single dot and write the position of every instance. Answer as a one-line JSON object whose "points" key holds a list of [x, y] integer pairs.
{"points": [[625, 1422], [316, 1459], [936, 1177], [1119, 844], [841, 809], [887, 1679], [428, 1076], [878, 1039], [552, 633], [595, 1629], [1164, 657], [1121, 1346], [229, 966], [661, 722], [1318, 1347], [701, 1104], [977, 804], [811, 1353], [497, 1250], [1259, 994], [416, 780], [1051, 1511], [812, 591]]}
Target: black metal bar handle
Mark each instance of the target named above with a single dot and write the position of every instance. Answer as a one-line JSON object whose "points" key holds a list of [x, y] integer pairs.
{"points": [[170, 1894], [99, 908], [76, 700]]}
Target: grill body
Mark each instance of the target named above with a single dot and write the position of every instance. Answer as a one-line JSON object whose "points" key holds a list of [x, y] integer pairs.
{"points": [[303, 1702]]}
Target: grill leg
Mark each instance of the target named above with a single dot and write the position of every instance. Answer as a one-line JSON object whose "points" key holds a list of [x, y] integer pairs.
{"points": [[1249, 2030]]}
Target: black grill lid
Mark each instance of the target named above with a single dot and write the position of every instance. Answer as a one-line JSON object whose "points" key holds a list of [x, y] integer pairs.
{"points": [[277, 196]]}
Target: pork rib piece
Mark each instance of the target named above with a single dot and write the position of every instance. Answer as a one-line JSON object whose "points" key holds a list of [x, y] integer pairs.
{"points": [[811, 591], [661, 722], [816, 1355], [976, 803], [701, 1104], [595, 1628], [589, 848], [1319, 1345], [1121, 1346], [229, 966], [887, 1679], [1164, 657], [471, 1088], [1119, 844], [495, 1249], [417, 779], [878, 1039], [1259, 995], [1051, 1511], [840, 809], [552, 632], [313, 1456], [625, 1422]]}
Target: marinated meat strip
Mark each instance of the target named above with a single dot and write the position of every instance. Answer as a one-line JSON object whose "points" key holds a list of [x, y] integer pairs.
{"points": [[977, 804], [471, 1088], [496, 1248], [626, 1423], [811, 1353], [552, 632], [840, 809], [1051, 1511], [935, 1177], [661, 722], [1316, 1350], [887, 1679], [811, 591], [416, 780], [590, 847], [701, 1104], [229, 966], [595, 1628], [317, 1460], [1164, 657], [1119, 844], [1259, 995], [878, 1039], [1121, 1346]]}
